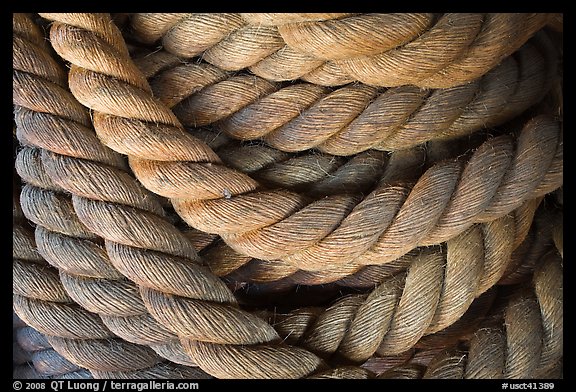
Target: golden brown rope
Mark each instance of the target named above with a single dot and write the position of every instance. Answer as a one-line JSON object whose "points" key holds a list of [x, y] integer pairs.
{"points": [[85, 271], [110, 247], [530, 344], [434, 293], [433, 51], [538, 242], [176, 165], [179, 293], [113, 320], [76, 334], [223, 261], [353, 118]]}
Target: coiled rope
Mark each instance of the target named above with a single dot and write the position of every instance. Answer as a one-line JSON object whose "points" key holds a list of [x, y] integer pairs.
{"points": [[431, 51], [215, 199], [164, 282], [353, 118], [528, 343]]}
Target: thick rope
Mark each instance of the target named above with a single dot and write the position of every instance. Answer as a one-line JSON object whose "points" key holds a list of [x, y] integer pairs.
{"points": [[528, 344], [85, 271], [223, 261], [229, 205], [353, 118], [250, 158], [28, 166], [47, 362], [79, 336], [432, 51], [538, 242], [181, 294], [434, 293]]}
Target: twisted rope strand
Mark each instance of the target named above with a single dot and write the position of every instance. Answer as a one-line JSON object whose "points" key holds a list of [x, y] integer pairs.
{"points": [[530, 345], [397, 49], [74, 333], [184, 297], [353, 118], [434, 293], [223, 261], [61, 174], [270, 234], [208, 348], [85, 271], [47, 362], [196, 345], [527, 343]]}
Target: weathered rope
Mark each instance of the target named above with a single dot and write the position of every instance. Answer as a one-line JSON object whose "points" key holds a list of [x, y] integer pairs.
{"points": [[45, 361], [85, 270], [179, 293], [223, 261], [215, 199], [229, 359], [538, 242], [353, 118], [79, 336], [528, 343], [432, 51], [436, 290]]}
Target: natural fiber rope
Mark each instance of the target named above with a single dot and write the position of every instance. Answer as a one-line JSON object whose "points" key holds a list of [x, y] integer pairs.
{"points": [[370, 276], [76, 334], [47, 362], [377, 49], [29, 166], [389, 178], [527, 345], [353, 118], [87, 274], [199, 304], [85, 270], [224, 261], [434, 293], [175, 179], [538, 242]]}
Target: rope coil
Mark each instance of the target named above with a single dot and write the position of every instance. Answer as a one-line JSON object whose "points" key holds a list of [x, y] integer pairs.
{"points": [[131, 297]]}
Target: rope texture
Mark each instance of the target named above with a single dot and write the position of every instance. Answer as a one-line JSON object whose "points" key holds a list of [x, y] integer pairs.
{"points": [[527, 343], [353, 118], [425, 50], [216, 199], [201, 302], [199, 185], [43, 361]]}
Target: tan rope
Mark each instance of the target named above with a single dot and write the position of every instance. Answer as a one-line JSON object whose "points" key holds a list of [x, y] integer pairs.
{"points": [[435, 292], [223, 261], [85, 271], [352, 118], [434, 51], [538, 242], [525, 342], [153, 298], [169, 260], [207, 179], [533, 339], [74, 333]]}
